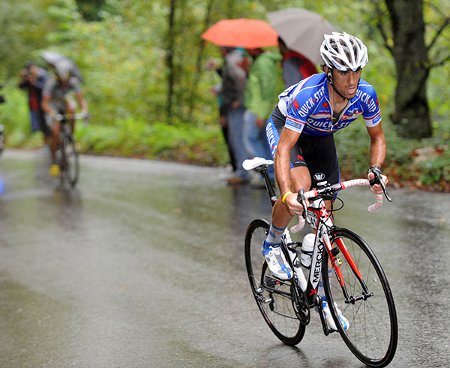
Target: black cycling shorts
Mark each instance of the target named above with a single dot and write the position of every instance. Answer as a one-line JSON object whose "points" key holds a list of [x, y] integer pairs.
{"points": [[318, 154]]}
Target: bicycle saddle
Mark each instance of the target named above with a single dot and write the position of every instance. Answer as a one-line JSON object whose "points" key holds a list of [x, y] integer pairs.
{"points": [[253, 163]]}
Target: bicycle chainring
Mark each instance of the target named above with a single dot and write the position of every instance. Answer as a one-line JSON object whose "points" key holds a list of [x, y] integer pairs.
{"points": [[300, 305]]}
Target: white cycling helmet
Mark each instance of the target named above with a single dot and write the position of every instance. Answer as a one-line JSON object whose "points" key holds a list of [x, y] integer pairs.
{"points": [[63, 70], [343, 52]]}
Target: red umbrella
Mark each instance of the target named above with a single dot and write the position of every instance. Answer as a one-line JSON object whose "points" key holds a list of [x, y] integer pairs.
{"points": [[246, 33]]}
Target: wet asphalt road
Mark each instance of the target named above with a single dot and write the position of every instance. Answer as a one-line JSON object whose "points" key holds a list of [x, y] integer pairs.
{"points": [[142, 266]]}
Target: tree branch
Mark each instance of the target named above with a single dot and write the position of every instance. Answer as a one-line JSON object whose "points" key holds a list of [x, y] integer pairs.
{"points": [[439, 63], [438, 33], [384, 36], [379, 25], [198, 63]]}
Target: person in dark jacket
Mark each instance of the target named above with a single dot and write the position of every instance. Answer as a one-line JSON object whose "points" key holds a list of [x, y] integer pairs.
{"points": [[232, 109], [32, 79]]}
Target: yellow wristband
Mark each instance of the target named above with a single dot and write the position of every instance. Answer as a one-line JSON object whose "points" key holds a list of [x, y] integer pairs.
{"points": [[285, 196]]}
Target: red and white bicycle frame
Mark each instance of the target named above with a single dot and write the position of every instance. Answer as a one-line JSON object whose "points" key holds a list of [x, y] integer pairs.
{"points": [[321, 220]]}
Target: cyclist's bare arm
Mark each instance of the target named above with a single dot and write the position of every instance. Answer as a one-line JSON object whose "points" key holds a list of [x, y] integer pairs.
{"points": [[46, 105], [82, 102], [377, 152], [282, 160], [377, 145]]}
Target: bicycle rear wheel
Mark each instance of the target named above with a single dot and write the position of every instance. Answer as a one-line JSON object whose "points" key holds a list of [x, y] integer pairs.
{"points": [[69, 163], [365, 300], [272, 296]]}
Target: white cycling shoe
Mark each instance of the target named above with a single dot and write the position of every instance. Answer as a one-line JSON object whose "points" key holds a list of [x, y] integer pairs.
{"points": [[276, 261], [329, 318]]}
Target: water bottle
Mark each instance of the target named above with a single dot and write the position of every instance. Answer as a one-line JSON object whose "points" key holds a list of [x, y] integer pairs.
{"points": [[307, 249]]}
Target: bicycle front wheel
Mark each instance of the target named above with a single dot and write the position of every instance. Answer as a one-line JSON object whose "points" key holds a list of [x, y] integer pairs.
{"points": [[272, 296], [70, 165], [357, 285]]}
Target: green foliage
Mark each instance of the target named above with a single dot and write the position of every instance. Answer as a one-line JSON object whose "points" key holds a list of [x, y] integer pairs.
{"points": [[23, 27], [90, 9], [404, 161], [14, 115], [120, 47], [435, 170], [135, 138]]}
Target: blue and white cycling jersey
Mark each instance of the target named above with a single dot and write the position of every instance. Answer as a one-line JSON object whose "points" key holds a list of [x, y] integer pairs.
{"points": [[307, 107]]}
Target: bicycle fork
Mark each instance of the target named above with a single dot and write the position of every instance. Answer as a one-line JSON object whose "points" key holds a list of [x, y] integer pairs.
{"points": [[336, 262]]}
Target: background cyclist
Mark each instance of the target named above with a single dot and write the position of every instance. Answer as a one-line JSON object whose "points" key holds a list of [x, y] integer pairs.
{"points": [[58, 98], [300, 133]]}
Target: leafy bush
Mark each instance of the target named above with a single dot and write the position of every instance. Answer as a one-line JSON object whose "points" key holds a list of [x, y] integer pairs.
{"points": [[404, 163], [14, 115], [136, 138], [435, 170]]}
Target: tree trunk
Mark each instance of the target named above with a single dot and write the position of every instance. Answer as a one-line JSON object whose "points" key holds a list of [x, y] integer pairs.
{"points": [[198, 64], [170, 53], [411, 115]]}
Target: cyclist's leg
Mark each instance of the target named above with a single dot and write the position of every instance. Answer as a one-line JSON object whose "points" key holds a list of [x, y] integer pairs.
{"points": [[54, 130], [54, 144], [280, 215], [70, 107], [53, 126], [300, 179], [300, 175], [321, 157], [46, 130]]}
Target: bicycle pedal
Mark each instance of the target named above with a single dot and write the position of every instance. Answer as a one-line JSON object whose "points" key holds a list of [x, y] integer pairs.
{"points": [[271, 282]]}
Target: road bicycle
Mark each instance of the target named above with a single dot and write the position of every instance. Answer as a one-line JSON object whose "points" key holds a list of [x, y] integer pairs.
{"points": [[67, 153], [352, 277]]}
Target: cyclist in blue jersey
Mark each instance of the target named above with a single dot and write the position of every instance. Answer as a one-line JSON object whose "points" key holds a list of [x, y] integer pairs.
{"points": [[300, 134]]}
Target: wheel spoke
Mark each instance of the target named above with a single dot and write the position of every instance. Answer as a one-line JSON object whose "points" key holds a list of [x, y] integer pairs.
{"points": [[372, 335], [272, 296]]}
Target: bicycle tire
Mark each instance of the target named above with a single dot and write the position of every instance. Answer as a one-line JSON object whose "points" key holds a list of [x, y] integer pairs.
{"points": [[70, 161], [373, 331], [275, 304]]}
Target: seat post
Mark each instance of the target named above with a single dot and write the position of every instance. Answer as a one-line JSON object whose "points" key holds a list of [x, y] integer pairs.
{"points": [[270, 189]]}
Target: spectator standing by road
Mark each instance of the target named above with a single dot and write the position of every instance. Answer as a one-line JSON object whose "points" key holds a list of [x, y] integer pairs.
{"points": [[217, 92], [234, 78], [32, 79], [264, 83]]}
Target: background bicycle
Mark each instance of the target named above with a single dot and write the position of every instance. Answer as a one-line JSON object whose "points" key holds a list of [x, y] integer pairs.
{"points": [[67, 153], [353, 280]]}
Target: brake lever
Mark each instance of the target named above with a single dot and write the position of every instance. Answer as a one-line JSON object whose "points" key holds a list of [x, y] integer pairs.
{"points": [[378, 180], [301, 198], [385, 191]]}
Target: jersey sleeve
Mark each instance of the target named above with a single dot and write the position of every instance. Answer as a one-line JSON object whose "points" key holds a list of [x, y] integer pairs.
{"points": [[371, 109], [75, 85], [298, 111], [48, 87]]}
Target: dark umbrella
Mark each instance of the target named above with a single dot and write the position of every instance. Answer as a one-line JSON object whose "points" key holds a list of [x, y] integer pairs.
{"points": [[301, 30], [53, 58]]}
